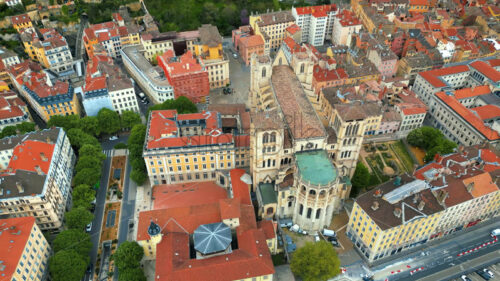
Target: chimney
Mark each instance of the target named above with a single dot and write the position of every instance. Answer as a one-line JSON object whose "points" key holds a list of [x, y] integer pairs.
{"points": [[441, 196], [397, 212], [48, 140], [44, 158], [375, 205], [38, 170], [470, 187], [415, 198], [19, 187], [377, 193], [421, 205]]}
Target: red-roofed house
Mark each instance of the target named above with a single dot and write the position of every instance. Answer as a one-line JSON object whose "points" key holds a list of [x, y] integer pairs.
{"points": [[165, 236], [18, 237], [21, 22], [412, 111], [110, 35], [248, 45], [12, 110], [30, 176], [467, 126], [316, 22], [201, 141], [188, 77], [345, 25]]}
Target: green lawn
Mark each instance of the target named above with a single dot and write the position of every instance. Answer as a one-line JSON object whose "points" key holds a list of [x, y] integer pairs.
{"points": [[401, 152]]}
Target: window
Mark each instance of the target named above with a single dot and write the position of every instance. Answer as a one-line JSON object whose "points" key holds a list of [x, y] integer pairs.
{"points": [[309, 212], [263, 72], [301, 209], [318, 213]]}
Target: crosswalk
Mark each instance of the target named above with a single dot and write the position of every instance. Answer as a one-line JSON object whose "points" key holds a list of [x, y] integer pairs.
{"points": [[108, 152]]}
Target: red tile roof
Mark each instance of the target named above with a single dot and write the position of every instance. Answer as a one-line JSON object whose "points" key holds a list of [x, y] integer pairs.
{"points": [[319, 14], [252, 41], [472, 92], [413, 110], [419, 3], [486, 70], [292, 29], [432, 76], [37, 82], [27, 156], [94, 84], [268, 227], [13, 238], [468, 116], [348, 18], [242, 141], [163, 131], [241, 190], [20, 19], [488, 111], [312, 9], [229, 209], [178, 195]]}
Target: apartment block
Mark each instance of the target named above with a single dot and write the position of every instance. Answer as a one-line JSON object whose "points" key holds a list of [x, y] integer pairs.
{"points": [[249, 45], [452, 193], [26, 252], [188, 77], [155, 43], [38, 168], [345, 25], [21, 22], [106, 86], [272, 27], [208, 49], [46, 97], [8, 57], [316, 22], [151, 79], [50, 49], [193, 147], [12, 110], [111, 36], [456, 97], [411, 109], [174, 233]]}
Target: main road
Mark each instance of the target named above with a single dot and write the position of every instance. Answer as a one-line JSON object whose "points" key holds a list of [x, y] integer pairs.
{"points": [[107, 147]]}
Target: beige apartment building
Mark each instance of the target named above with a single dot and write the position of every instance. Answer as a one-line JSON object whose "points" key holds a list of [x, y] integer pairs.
{"points": [[25, 251], [37, 180], [272, 27], [193, 147]]}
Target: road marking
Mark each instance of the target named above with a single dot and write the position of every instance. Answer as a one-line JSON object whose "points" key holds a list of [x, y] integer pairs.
{"points": [[107, 152]]}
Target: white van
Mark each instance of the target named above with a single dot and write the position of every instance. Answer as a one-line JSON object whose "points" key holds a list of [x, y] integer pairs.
{"points": [[495, 232], [328, 233]]}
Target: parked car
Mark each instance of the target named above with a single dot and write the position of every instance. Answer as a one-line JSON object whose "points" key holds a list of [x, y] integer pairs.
{"points": [[483, 274], [489, 272], [89, 227], [495, 232], [465, 278], [112, 138], [89, 268], [316, 238], [235, 55]]}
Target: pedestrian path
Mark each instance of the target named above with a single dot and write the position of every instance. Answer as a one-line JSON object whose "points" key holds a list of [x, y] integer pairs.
{"points": [[108, 152]]}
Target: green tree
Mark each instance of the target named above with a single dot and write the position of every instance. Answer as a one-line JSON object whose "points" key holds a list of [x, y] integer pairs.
{"points": [[92, 151], [88, 176], [9, 131], [67, 265], [78, 218], [83, 196], [87, 162], [315, 261], [25, 127], [64, 121], [128, 255], [129, 119], [90, 125], [78, 138], [132, 274], [138, 176], [360, 179], [73, 239], [64, 10], [109, 120], [181, 104]]}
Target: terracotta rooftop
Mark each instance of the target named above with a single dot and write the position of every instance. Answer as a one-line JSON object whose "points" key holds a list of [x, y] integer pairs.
{"points": [[315, 9], [209, 35], [487, 112], [20, 19], [14, 235], [252, 41], [173, 261], [472, 92], [292, 29], [433, 76], [179, 195], [468, 116], [300, 116], [487, 70]]}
